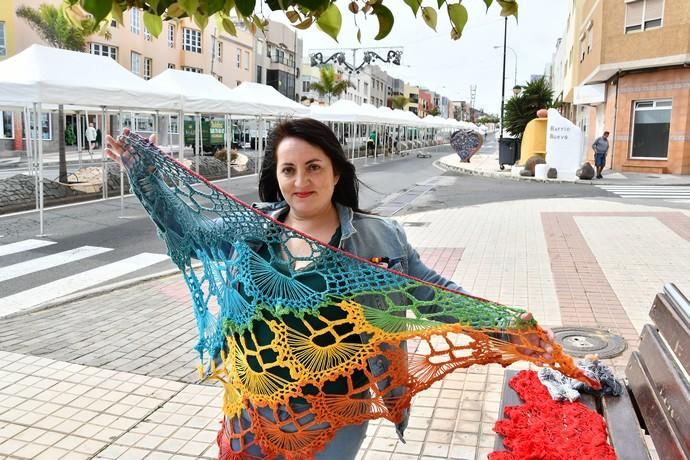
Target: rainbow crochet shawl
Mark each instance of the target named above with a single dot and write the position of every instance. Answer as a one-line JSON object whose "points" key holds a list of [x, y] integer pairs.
{"points": [[277, 343]]}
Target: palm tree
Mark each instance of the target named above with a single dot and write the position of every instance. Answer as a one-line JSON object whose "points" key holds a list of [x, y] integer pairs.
{"points": [[522, 109], [398, 102], [329, 83], [52, 26]]}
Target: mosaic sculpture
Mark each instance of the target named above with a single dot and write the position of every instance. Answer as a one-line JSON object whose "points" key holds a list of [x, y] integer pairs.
{"points": [[307, 351], [466, 142]]}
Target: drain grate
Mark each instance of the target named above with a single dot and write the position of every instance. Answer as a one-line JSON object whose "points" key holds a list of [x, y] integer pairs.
{"points": [[581, 341]]}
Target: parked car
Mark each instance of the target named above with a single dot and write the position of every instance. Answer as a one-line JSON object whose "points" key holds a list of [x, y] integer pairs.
{"points": [[423, 154]]}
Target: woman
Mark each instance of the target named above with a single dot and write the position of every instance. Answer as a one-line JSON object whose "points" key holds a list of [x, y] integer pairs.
{"points": [[307, 183]]}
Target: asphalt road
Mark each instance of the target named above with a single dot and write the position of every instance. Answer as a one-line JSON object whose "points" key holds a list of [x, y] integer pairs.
{"points": [[128, 232]]}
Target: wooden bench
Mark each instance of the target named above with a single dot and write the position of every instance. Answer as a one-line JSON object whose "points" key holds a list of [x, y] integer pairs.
{"points": [[657, 400]]}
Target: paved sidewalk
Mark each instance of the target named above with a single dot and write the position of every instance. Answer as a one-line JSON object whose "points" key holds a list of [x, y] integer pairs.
{"points": [[486, 164], [112, 376]]}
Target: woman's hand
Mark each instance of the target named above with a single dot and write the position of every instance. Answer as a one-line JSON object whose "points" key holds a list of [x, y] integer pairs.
{"points": [[117, 151], [534, 340]]}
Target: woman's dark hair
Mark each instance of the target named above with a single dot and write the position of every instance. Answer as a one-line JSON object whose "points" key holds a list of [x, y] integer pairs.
{"points": [[319, 135]]}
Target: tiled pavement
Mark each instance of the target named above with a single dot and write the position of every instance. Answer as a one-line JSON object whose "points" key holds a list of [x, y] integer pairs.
{"points": [[112, 376]]}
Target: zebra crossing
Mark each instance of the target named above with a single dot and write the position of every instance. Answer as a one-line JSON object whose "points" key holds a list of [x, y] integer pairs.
{"points": [[670, 193], [28, 258]]}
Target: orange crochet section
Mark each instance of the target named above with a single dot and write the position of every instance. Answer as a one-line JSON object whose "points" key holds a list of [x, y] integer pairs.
{"points": [[277, 391]]}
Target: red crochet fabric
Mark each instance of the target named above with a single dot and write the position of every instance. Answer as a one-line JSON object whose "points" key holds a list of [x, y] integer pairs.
{"points": [[544, 429]]}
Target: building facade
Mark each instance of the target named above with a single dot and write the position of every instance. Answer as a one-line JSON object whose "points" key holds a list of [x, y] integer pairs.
{"points": [[631, 77], [279, 59]]}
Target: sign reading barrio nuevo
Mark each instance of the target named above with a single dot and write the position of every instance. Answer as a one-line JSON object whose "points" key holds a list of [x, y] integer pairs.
{"points": [[564, 148]]}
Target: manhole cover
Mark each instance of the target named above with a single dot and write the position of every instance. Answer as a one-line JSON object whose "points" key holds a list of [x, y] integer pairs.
{"points": [[581, 341]]}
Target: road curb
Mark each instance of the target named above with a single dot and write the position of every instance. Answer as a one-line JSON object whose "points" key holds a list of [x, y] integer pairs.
{"points": [[94, 292], [497, 175]]}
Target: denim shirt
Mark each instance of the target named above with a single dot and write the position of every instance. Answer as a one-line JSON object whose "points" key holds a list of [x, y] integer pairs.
{"points": [[368, 236]]}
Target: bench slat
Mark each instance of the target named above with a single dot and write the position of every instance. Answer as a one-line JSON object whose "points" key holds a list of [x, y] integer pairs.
{"points": [[670, 385], [624, 430], [660, 427], [668, 313], [508, 398]]}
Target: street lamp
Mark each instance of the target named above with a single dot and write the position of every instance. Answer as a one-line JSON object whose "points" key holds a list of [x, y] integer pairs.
{"points": [[514, 55], [517, 89], [393, 56]]}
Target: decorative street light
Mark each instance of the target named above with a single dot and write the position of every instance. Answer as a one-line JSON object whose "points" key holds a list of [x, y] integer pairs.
{"points": [[393, 57], [515, 56]]}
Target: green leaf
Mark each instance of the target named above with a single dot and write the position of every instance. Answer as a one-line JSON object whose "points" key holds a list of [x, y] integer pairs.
{"points": [[99, 9], [245, 7], [430, 17], [488, 3], [190, 6], [508, 7], [440, 3], [458, 17], [386, 20], [414, 5], [314, 5], [359, 35], [153, 23], [304, 25], [175, 11], [330, 21], [229, 27], [214, 6], [117, 12], [201, 20]]}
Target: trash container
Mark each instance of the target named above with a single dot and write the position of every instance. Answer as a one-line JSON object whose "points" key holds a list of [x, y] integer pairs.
{"points": [[507, 151]]}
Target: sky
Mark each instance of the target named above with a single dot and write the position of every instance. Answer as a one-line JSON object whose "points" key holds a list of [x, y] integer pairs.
{"points": [[432, 60]]}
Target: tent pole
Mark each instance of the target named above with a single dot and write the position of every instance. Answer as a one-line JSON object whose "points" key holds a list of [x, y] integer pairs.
{"points": [[122, 173], [228, 144], [180, 135], [79, 138], [103, 158], [38, 116], [197, 121]]}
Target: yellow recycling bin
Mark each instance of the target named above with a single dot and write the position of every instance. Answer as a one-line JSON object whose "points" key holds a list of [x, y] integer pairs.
{"points": [[533, 140]]}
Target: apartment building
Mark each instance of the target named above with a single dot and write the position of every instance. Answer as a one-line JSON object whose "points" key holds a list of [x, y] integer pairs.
{"points": [[380, 89], [411, 92], [279, 58], [181, 45], [630, 64]]}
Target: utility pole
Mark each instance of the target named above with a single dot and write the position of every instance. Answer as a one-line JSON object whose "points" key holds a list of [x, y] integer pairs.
{"points": [[473, 98]]}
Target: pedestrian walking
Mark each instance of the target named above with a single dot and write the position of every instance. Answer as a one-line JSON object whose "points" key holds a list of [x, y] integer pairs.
{"points": [[601, 147], [313, 341], [91, 136]]}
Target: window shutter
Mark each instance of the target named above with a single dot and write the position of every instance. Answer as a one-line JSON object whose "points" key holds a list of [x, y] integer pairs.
{"points": [[654, 9], [633, 14]]}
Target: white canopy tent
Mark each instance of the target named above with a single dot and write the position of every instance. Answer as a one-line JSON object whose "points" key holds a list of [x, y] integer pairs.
{"points": [[42, 75]]}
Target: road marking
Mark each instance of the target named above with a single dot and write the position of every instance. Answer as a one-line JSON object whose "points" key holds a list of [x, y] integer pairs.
{"points": [[21, 246], [53, 260], [29, 298], [654, 192]]}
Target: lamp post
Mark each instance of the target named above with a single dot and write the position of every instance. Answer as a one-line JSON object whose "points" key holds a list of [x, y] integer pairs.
{"points": [[503, 79], [514, 55]]}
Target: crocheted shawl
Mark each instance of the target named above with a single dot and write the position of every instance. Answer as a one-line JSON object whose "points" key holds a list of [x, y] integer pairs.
{"points": [[236, 292]]}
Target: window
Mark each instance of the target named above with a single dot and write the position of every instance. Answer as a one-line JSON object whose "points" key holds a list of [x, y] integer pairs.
{"points": [[259, 74], [171, 35], [651, 127], [136, 63], [192, 40], [148, 68], [239, 58], [103, 50], [143, 123], [113, 23], [3, 46], [172, 124], [259, 47], [46, 125], [135, 21], [171, 65], [305, 86], [246, 60], [219, 51], [643, 14], [147, 35], [192, 69], [7, 131]]}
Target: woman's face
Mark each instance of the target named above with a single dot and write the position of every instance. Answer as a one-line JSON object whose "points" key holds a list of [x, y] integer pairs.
{"points": [[306, 177]]}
